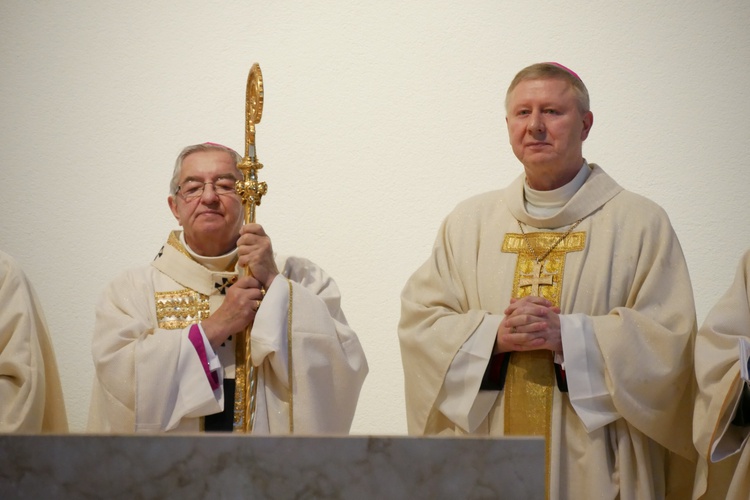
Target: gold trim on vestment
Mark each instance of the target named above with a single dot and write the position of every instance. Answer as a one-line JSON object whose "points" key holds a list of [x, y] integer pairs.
{"points": [[174, 241], [180, 309], [530, 380]]}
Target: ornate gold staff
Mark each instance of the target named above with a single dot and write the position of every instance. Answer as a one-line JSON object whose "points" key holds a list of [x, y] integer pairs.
{"points": [[251, 191]]}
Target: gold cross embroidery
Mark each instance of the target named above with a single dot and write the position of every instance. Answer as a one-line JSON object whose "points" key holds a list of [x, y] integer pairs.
{"points": [[550, 269], [535, 278]]}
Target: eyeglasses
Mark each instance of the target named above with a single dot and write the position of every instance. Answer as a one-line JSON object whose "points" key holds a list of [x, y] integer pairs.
{"points": [[192, 190]]}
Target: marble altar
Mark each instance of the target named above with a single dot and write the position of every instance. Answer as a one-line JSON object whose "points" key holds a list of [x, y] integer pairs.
{"points": [[231, 466]]}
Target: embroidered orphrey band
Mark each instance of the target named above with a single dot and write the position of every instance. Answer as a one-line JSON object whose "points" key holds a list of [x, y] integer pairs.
{"points": [[530, 380], [180, 309]]}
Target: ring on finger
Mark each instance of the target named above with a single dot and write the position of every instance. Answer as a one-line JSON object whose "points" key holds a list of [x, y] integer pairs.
{"points": [[257, 305]]}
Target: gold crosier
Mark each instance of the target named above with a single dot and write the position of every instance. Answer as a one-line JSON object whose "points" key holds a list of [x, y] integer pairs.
{"points": [[251, 191]]}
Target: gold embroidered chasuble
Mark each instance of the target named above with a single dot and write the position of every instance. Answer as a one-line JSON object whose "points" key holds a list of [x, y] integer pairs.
{"points": [[149, 377], [613, 272]]}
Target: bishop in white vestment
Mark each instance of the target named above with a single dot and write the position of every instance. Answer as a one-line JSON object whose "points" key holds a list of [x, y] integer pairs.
{"points": [[559, 307], [163, 344]]}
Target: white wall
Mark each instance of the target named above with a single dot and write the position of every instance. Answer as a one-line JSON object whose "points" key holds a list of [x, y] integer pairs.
{"points": [[379, 118]]}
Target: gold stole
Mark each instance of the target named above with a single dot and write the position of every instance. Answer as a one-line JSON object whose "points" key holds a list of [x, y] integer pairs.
{"points": [[530, 380]]}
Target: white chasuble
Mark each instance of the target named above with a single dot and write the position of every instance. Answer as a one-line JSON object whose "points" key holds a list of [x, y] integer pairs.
{"points": [[149, 377], [624, 288]]}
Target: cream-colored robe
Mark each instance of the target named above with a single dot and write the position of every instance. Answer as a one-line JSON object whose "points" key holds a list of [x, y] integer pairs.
{"points": [[631, 283], [717, 368], [149, 378], [31, 397]]}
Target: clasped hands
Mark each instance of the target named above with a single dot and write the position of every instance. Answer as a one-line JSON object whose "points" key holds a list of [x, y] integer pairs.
{"points": [[530, 323], [244, 297]]}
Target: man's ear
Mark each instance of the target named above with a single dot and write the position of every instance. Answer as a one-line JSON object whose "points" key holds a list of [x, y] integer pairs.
{"points": [[588, 122], [172, 201]]}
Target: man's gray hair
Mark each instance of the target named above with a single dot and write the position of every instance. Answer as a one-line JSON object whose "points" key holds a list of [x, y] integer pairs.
{"points": [[195, 148], [545, 70]]}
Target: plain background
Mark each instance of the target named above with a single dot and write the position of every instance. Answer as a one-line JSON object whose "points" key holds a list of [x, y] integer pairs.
{"points": [[379, 117]]}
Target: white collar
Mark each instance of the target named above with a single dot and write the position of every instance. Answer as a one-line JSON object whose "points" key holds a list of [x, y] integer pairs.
{"points": [[548, 203], [216, 264]]}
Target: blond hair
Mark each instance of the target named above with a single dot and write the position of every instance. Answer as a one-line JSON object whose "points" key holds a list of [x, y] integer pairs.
{"points": [[548, 70]]}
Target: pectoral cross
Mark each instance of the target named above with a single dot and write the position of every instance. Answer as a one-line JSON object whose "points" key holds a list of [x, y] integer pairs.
{"points": [[535, 279]]}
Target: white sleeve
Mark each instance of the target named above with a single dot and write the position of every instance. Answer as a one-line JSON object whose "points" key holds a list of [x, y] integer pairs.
{"points": [[270, 328], [161, 407], [460, 399], [329, 365], [732, 438], [211, 357], [584, 369], [744, 346]]}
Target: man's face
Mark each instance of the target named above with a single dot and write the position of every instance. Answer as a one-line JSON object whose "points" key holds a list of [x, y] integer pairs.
{"points": [[211, 222], [546, 130]]}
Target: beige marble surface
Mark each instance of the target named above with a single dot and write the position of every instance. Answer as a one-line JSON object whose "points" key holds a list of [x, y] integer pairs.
{"points": [[227, 466]]}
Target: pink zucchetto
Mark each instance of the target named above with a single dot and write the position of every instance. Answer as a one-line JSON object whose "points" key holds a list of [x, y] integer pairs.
{"points": [[565, 68]]}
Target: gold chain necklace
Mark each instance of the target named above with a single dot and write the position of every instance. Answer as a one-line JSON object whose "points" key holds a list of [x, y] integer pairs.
{"points": [[538, 259]]}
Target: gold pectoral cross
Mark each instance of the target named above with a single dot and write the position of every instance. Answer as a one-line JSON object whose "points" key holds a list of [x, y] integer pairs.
{"points": [[530, 379]]}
